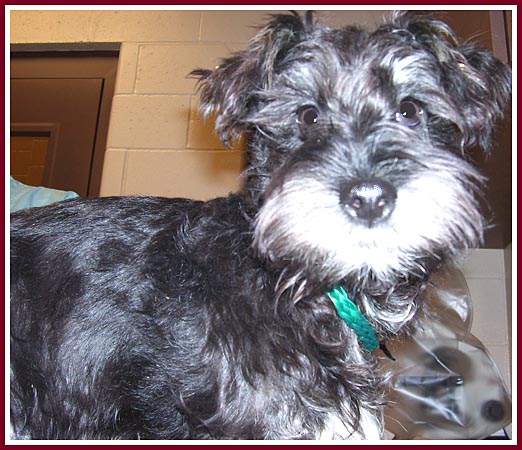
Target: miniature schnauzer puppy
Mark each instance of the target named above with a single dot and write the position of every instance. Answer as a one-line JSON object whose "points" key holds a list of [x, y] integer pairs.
{"points": [[155, 318]]}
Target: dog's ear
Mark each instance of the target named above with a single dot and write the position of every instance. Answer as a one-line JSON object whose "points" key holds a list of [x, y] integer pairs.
{"points": [[232, 90], [477, 82]]}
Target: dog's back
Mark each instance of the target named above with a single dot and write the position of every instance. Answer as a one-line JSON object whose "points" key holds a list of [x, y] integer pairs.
{"points": [[90, 320], [142, 318]]}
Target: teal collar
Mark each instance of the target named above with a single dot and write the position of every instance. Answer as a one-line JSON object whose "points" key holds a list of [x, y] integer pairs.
{"points": [[351, 315]]}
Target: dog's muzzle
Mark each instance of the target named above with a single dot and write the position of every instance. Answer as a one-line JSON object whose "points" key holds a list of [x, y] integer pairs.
{"points": [[368, 201]]}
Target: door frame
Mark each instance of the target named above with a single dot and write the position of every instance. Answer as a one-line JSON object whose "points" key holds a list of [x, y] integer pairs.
{"points": [[79, 60]]}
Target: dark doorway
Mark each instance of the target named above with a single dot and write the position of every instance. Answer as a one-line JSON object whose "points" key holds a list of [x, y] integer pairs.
{"points": [[60, 108]]}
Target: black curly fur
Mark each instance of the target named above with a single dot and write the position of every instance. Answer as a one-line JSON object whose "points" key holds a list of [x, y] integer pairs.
{"points": [[164, 328]]}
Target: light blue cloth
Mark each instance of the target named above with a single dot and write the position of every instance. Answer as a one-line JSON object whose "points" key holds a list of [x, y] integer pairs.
{"points": [[23, 196]]}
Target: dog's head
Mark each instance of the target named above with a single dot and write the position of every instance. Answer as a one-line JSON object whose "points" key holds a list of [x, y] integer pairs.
{"points": [[357, 141]]}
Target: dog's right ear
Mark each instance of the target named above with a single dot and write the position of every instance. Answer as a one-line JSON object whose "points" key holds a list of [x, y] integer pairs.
{"points": [[477, 82], [232, 90]]}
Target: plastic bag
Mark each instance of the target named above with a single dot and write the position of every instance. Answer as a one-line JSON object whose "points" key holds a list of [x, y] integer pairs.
{"points": [[444, 383]]}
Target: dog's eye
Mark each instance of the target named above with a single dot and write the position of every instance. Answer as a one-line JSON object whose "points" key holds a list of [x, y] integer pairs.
{"points": [[307, 116], [409, 113]]}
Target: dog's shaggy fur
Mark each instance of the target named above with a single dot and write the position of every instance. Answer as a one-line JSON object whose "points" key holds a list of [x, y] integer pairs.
{"points": [[154, 318]]}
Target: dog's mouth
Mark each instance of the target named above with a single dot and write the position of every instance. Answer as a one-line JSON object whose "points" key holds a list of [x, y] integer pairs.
{"points": [[335, 233], [367, 225]]}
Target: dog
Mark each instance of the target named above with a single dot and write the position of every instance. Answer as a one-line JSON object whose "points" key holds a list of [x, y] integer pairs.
{"points": [[156, 318]]}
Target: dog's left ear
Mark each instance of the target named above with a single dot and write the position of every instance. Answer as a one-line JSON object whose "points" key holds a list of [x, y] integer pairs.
{"points": [[477, 82], [233, 89]]}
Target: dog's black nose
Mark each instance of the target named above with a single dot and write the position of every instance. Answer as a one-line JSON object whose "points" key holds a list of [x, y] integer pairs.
{"points": [[368, 201]]}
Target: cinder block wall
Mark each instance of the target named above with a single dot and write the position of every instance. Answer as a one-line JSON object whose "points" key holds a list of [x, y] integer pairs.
{"points": [[158, 144]]}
